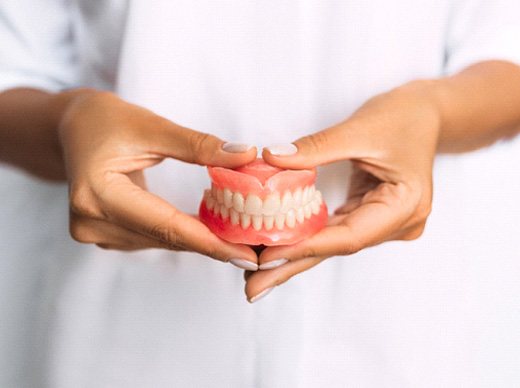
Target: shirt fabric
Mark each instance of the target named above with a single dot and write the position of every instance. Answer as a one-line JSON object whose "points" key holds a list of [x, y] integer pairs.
{"points": [[441, 311]]}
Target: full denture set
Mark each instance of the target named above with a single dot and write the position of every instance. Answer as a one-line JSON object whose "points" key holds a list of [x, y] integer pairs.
{"points": [[259, 204]]}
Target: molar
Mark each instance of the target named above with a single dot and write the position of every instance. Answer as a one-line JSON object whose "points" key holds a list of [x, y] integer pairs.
{"points": [[234, 216], [220, 196], [300, 215], [224, 212]]}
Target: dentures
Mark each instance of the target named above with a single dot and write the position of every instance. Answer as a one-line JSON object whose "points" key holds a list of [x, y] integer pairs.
{"points": [[261, 204]]}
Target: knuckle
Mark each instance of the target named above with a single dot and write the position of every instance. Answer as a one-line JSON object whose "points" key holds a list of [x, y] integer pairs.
{"points": [[318, 141], [415, 233], [199, 142], [80, 232], [168, 235], [82, 202]]}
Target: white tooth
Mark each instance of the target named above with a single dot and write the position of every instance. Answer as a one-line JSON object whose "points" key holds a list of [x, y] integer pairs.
{"points": [[300, 215], [257, 222], [315, 206], [319, 197], [234, 216], [286, 202], [312, 190], [268, 222], [238, 202], [271, 204], [279, 221], [253, 205], [245, 220], [307, 210], [216, 209], [224, 212], [210, 202], [220, 196], [228, 198], [305, 195], [290, 219], [297, 198]]}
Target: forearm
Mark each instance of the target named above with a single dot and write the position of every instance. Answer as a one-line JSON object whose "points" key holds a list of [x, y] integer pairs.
{"points": [[28, 130], [477, 106]]}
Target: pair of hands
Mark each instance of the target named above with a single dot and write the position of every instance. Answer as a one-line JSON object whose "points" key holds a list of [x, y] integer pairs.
{"points": [[107, 143]]}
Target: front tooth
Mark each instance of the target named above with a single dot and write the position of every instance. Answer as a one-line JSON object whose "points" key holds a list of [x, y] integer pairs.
{"points": [[290, 219], [305, 195], [228, 198], [257, 222], [220, 196], [271, 204], [234, 216], [238, 202], [286, 202], [268, 222], [224, 212], [279, 221], [315, 206], [245, 220], [297, 198], [253, 205], [307, 210], [300, 215]]}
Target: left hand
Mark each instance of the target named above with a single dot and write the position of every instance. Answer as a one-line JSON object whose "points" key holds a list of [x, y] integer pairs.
{"points": [[391, 141]]}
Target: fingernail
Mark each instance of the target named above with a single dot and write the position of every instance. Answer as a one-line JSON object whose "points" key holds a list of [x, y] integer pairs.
{"points": [[282, 149], [273, 264], [236, 148], [265, 292], [244, 264]]}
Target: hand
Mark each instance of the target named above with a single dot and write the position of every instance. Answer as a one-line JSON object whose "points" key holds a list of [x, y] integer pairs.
{"points": [[392, 141], [107, 143]]}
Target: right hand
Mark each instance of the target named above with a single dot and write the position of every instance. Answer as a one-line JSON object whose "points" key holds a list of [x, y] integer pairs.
{"points": [[107, 143]]}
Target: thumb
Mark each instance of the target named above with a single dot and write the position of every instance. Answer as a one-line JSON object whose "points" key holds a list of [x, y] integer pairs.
{"points": [[323, 147], [201, 148]]}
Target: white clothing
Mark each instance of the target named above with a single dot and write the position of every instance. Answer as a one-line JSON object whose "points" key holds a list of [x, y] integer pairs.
{"points": [[442, 311]]}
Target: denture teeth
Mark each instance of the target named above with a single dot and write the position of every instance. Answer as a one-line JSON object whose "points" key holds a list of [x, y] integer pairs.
{"points": [[234, 216], [305, 195], [319, 197], [210, 201], [268, 222], [228, 198], [253, 205], [238, 202], [297, 198], [286, 202], [216, 209], [220, 196], [257, 222], [307, 211], [290, 219], [245, 220], [315, 206], [300, 215], [271, 204], [279, 221], [224, 212]]}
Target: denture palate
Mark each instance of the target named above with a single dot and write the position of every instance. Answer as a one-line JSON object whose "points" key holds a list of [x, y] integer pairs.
{"points": [[275, 210]]}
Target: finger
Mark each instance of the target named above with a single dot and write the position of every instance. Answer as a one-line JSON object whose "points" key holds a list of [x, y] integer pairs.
{"points": [[381, 216], [200, 148], [326, 146], [131, 207], [261, 282], [110, 236]]}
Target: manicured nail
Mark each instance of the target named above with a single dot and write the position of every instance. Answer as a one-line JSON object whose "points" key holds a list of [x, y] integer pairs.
{"points": [[282, 149], [244, 264], [265, 292], [236, 148], [273, 264]]}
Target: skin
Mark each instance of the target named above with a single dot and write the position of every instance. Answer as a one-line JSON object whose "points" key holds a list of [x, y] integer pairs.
{"points": [[101, 144]]}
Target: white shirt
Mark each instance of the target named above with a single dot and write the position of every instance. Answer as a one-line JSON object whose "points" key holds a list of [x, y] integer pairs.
{"points": [[442, 311]]}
